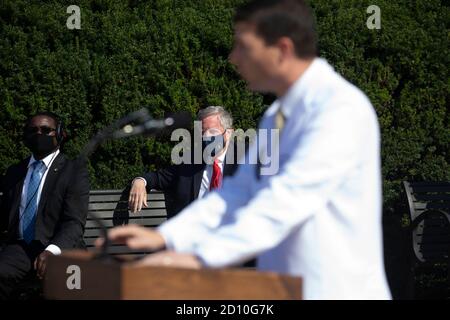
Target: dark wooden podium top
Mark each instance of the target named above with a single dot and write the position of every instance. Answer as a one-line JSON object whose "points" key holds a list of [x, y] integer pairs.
{"points": [[110, 280]]}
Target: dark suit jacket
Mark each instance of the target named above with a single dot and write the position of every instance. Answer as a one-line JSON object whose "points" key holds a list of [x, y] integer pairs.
{"points": [[181, 183], [63, 206]]}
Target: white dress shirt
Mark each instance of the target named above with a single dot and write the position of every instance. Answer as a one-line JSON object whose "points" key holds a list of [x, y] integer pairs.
{"points": [[48, 160], [319, 217], [207, 175]]}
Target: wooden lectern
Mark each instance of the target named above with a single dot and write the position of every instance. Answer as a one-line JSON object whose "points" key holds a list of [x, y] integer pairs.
{"points": [[113, 281]]}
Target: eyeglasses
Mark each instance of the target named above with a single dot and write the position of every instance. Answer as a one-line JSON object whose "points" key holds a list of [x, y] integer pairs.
{"points": [[212, 132], [43, 129]]}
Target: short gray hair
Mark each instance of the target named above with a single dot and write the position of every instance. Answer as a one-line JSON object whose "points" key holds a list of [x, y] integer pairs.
{"points": [[226, 120]]}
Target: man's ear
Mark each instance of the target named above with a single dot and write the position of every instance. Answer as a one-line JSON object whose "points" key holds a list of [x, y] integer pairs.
{"points": [[286, 47], [229, 133]]}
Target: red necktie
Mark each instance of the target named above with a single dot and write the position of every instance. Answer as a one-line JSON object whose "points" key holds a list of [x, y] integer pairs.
{"points": [[216, 179]]}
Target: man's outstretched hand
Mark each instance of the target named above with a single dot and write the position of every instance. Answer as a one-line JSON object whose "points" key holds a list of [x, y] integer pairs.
{"points": [[170, 259], [135, 237]]}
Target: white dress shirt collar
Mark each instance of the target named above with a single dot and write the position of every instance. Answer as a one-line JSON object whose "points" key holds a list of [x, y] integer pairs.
{"points": [[47, 160], [297, 91], [221, 158]]}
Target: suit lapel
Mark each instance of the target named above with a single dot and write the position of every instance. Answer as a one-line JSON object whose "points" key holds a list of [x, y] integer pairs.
{"points": [[53, 173], [197, 181], [230, 165], [17, 193], [227, 168]]}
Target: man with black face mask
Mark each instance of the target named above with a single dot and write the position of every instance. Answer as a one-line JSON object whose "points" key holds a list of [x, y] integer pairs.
{"points": [[184, 183], [43, 206]]}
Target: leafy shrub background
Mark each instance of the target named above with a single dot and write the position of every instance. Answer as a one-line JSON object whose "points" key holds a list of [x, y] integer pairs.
{"points": [[172, 56]]}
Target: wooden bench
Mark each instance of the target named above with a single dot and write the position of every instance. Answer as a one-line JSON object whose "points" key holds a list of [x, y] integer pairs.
{"points": [[111, 207], [429, 208]]}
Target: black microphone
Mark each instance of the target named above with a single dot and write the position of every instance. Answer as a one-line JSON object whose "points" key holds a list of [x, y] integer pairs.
{"points": [[154, 126]]}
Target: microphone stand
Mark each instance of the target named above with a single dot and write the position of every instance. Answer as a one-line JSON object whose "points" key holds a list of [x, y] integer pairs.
{"points": [[103, 135]]}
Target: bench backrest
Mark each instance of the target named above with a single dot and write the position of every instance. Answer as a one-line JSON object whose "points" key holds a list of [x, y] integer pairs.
{"points": [[111, 207], [429, 206]]}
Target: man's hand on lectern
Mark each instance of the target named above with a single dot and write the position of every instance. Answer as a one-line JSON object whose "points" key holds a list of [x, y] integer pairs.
{"points": [[170, 259], [40, 263], [135, 237]]}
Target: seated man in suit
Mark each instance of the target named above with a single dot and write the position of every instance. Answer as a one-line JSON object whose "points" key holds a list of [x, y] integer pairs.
{"points": [[184, 183], [44, 203]]}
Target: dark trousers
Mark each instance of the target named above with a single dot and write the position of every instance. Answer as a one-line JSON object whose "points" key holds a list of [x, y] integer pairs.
{"points": [[16, 262]]}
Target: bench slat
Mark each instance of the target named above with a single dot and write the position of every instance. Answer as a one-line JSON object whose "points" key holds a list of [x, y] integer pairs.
{"points": [[114, 248], [421, 206], [114, 191], [427, 189], [121, 250], [430, 184], [145, 213], [116, 197], [420, 197], [96, 232], [110, 222], [114, 205]]}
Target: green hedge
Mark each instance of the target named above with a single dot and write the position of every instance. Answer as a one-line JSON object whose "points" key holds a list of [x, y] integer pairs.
{"points": [[172, 55]]}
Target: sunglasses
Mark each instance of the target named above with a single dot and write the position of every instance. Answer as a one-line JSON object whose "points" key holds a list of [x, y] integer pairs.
{"points": [[43, 129]]}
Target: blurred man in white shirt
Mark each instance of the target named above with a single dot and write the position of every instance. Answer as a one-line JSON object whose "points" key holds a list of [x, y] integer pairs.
{"points": [[319, 215]]}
